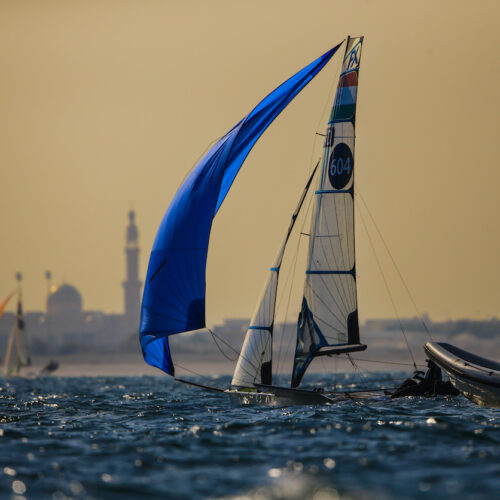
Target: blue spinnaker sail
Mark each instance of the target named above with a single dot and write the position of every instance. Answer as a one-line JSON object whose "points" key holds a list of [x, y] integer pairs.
{"points": [[174, 292]]}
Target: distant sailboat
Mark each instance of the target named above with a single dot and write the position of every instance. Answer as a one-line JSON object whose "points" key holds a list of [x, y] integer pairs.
{"points": [[174, 294], [15, 356]]}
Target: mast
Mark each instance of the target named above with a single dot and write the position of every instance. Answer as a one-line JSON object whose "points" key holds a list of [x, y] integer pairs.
{"points": [[255, 361], [328, 321]]}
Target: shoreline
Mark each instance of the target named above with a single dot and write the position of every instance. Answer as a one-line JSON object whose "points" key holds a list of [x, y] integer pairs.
{"points": [[132, 364]]}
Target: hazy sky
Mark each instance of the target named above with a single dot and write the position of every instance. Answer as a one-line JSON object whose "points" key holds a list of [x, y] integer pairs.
{"points": [[105, 105]]}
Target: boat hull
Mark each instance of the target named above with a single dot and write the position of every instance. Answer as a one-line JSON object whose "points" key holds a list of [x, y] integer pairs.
{"points": [[278, 397], [478, 379], [273, 396]]}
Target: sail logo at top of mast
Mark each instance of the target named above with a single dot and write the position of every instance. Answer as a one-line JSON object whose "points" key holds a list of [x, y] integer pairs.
{"points": [[352, 58], [340, 166]]}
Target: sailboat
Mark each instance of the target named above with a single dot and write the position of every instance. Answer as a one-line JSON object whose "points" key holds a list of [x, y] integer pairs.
{"points": [[174, 293], [15, 356]]}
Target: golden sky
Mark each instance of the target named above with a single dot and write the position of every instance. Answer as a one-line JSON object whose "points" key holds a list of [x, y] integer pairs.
{"points": [[106, 105]]}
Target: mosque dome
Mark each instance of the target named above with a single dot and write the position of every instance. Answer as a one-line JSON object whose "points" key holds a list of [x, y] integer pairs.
{"points": [[65, 300]]}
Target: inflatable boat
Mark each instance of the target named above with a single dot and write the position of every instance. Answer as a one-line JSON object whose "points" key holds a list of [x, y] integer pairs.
{"points": [[477, 378]]}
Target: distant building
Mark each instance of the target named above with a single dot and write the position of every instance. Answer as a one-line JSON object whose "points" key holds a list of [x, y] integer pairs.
{"points": [[132, 285], [67, 327]]}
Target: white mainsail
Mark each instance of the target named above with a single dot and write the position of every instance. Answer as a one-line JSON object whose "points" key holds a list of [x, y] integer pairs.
{"points": [[328, 322]]}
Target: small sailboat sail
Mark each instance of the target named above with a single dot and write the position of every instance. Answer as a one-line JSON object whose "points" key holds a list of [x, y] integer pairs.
{"points": [[255, 361], [174, 293], [15, 357], [4, 303], [328, 321]]}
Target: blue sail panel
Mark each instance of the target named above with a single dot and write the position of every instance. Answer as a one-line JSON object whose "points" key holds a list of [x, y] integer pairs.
{"points": [[174, 292]]}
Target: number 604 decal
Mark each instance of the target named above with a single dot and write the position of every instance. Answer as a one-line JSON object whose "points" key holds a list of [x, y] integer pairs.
{"points": [[340, 166]]}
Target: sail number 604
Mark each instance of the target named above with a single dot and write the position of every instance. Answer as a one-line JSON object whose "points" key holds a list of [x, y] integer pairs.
{"points": [[337, 166], [340, 166]]}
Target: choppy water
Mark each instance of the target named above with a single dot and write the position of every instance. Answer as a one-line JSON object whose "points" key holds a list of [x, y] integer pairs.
{"points": [[148, 437]]}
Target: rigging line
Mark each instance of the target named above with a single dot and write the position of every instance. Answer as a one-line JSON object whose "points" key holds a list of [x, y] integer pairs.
{"points": [[387, 362], [234, 350], [310, 215], [307, 215], [339, 284], [395, 266], [330, 96], [357, 370], [290, 274], [201, 386], [194, 373], [321, 249], [353, 285], [295, 215], [377, 381], [388, 289], [218, 347]]}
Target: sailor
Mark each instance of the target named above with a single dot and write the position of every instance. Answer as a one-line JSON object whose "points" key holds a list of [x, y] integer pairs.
{"points": [[429, 385]]}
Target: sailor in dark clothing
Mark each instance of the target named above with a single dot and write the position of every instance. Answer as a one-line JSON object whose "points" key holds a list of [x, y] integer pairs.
{"points": [[428, 385]]}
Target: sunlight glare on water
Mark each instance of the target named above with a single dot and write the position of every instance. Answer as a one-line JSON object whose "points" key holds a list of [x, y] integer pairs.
{"points": [[148, 437]]}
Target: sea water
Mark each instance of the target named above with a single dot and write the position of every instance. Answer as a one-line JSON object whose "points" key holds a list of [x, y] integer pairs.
{"points": [[149, 437]]}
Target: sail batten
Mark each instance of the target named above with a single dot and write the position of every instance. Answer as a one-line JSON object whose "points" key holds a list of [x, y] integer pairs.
{"points": [[174, 293], [328, 321]]}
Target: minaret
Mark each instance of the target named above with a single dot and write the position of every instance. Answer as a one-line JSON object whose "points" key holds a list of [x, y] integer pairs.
{"points": [[132, 285]]}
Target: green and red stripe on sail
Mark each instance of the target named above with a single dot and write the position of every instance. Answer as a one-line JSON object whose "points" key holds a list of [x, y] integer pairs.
{"points": [[345, 98]]}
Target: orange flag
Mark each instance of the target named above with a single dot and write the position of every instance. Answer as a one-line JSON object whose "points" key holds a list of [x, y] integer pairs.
{"points": [[5, 302]]}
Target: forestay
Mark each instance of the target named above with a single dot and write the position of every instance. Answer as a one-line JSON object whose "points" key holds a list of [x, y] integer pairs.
{"points": [[328, 321], [255, 360], [174, 293]]}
